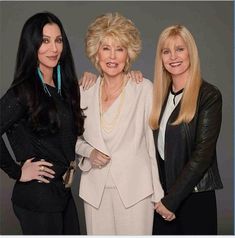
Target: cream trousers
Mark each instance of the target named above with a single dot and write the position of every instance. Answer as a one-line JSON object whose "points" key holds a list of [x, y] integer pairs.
{"points": [[112, 218]]}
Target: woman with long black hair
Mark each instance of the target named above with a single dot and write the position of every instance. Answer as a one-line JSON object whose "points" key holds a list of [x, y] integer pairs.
{"points": [[41, 116]]}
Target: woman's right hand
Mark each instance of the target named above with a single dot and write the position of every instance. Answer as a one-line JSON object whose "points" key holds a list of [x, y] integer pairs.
{"points": [[166, 214], [98, 159], [87, 80], [136, 76], [38, 170]]}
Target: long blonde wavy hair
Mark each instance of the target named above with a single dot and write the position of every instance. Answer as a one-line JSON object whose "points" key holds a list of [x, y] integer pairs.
{"points": [[162, 78]]}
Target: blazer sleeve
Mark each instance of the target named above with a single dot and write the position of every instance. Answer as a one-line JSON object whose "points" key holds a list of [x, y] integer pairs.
{"points": [[11, 111], [83, 150], [157, 188], [208, 128]]}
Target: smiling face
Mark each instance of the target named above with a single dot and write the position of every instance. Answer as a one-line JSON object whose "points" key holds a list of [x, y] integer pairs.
{"points": [[175, 57], [51, 47], [112, 57]]}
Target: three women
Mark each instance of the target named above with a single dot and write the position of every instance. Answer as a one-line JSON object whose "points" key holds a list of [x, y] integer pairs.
{"points": [[120, 174]]}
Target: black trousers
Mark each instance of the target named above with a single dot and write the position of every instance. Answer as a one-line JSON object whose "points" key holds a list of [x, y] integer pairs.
{"points": [[54, 223], [196, 216]]}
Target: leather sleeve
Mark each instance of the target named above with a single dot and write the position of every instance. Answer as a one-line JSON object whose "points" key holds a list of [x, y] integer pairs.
{"points": [[204, 149]]}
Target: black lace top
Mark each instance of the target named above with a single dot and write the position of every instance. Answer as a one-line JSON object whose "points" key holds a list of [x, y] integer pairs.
{"points": [[58, 148]]}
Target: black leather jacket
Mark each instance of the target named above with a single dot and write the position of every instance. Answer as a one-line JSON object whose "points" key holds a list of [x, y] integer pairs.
{"points": [[190, 163]]}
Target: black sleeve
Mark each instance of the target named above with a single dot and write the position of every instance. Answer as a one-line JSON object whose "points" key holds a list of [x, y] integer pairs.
{"points": [[208, 128], [11, 111]]}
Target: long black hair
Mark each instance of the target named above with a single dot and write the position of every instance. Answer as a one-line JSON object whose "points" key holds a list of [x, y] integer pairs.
{"points": [[42, 112]]}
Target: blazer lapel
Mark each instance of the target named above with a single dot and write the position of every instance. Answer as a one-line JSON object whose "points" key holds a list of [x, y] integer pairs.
{"points": [[93, 134]]}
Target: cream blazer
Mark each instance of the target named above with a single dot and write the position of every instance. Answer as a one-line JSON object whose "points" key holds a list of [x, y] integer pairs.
{"points": [[133, 165]]}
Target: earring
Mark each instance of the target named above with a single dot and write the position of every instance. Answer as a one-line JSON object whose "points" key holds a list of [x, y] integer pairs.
{"points": [[59, 79], [42, 81]]}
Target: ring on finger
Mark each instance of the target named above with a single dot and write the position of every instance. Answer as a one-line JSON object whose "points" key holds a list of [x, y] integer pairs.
{"points": [[40, 181], [42, 168]]}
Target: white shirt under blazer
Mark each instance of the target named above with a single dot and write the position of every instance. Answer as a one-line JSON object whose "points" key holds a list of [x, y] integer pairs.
{"points": [[133, 164]]}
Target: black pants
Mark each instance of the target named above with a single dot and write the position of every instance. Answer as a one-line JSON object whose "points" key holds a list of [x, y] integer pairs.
{"points": [[196, 216], [54, 223]]}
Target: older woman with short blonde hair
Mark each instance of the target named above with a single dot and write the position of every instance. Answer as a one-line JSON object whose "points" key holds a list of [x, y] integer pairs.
{"points": [[119, 182], [119, 28]]}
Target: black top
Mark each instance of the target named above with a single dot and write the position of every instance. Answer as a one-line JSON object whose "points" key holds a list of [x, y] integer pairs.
{"points": [[190, 163], [58, 148]]}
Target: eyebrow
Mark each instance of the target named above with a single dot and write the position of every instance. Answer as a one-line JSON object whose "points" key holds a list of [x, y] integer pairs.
{"points": [[50, 36], [164, 48], [105, 44], [179, 46]]}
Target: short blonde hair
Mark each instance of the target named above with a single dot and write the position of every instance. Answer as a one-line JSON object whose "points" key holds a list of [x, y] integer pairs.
{"points": [[162, 78], [118, 27]]}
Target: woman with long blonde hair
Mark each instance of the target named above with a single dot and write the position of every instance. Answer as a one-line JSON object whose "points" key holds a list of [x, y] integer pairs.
{"points": [[186, 118]]}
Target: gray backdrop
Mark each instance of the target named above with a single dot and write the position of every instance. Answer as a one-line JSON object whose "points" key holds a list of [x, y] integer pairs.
{"points": [[210, 22]]}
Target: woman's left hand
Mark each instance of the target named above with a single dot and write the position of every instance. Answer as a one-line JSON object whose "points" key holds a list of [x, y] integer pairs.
{"points": [[87, 80], [98, 159], [164, 212]]}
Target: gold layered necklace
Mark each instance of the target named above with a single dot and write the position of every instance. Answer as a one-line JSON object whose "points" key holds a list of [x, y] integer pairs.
{"points": [[106, 125]]}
